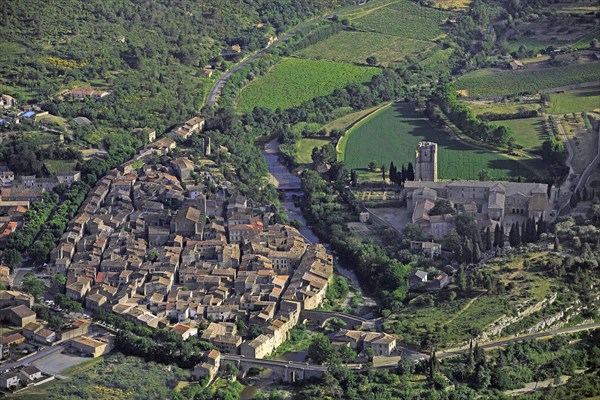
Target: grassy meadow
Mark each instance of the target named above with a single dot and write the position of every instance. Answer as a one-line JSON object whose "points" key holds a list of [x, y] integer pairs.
{"points": [[493, 82], [393, 133], [293, 81], [528, 132], [304, 148], [576, 100]]}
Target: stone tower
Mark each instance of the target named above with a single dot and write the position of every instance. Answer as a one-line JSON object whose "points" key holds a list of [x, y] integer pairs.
{"points": [[426, 162]]}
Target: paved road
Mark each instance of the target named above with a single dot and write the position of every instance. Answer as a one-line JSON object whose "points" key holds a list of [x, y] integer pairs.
{"points": [[392, 362], [215, 92], [506, 342], [19, 275]]}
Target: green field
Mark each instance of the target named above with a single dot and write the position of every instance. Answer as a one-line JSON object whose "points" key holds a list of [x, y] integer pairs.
{"points": [[528, 132], [576, 100], [490, 82], [304, 148], [294, 81], [404, 19], [355, 47], [393, 133]]}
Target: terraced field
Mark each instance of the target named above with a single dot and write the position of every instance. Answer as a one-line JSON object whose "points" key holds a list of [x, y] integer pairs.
{"points": [[293, 81], [356, 46], [494, 82], [404, 19], [393, 133]]}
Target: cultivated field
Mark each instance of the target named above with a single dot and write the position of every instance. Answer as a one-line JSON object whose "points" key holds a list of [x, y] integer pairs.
{"points": [[294, 81], [576, 100], [404, 19], [528, 132], [495, 82], [393, 133], [355, 47]]}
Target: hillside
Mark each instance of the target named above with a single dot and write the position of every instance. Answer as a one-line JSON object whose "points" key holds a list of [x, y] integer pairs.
{"points": [[146, 53]]}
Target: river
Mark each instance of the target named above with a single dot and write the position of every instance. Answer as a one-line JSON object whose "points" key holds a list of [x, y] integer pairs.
{"points": [[290, 185]]}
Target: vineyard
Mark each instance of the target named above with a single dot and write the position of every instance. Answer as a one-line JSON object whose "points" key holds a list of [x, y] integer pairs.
{"points": [[404, 19], [294, 81], [355, 47], [490, 82]]}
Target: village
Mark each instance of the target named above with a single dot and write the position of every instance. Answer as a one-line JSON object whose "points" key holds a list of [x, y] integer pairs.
{"points": [[167, 242]]}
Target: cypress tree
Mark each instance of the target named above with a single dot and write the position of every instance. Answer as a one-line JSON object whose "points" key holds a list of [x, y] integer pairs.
{"points": [[512, 235], [403, 175], [468, 251], [518, 238], [541, 227], [502, 235], [497, 236], [476, 253], [392, 172], [410, 172], [488, 239], [523, 233]]}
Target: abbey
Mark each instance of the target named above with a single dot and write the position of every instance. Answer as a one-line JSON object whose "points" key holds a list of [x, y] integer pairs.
{"points": [[489, 202]]}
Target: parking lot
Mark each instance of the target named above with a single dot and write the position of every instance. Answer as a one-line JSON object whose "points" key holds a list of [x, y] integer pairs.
{"points": [[58, 362]]}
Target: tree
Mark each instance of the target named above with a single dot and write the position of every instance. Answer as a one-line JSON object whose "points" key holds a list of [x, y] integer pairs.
{"points": [[461, 279], [347, 354], [372, 166], [406, 366], [476, 253], [33, 286], [369, 354], [489, 243], [320, 349], [383, 172], [441, 207], [12, 258], [372, 60], [410, 172], [497, 236], [59, 279], [484, 175]]}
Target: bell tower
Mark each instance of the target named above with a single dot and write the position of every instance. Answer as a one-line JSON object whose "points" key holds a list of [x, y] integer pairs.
{"points": [[426, 162]]}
